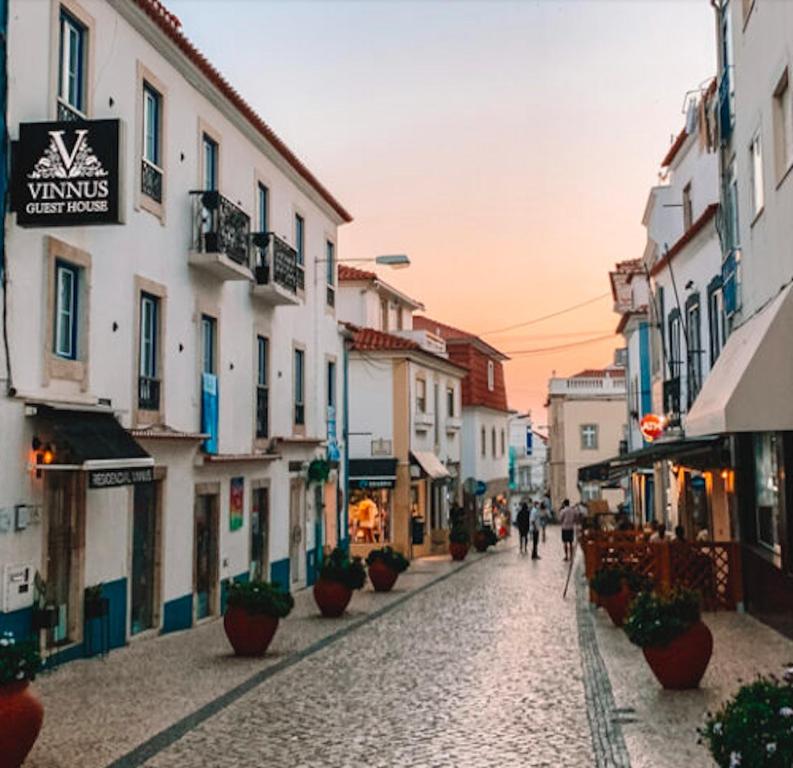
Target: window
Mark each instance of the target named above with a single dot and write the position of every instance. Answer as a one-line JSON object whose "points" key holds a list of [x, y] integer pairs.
{"points": [[783, 127], [72, 65], [688, 208], [151, 172], [262, 387], [210, 147], [400, 314], [675, 340], [503, 443], [766, 470], [421, 395], [756, 166], [694, 330], [589, 437], [300, 236], [483, 437], [148, 374], [330, 272], [493, 442], [450, 402], [67, 280], [300, 387], [491, 375], [716, 321], [262, 207], [384, 314], [208, 344], [331, 384]]}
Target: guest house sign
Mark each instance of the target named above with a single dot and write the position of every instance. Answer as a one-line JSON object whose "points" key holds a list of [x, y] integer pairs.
{"points": [[66, 173]]}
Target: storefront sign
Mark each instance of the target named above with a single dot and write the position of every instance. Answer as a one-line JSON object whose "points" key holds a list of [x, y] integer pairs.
{"points": [[652, 427], [67, 173], [372, 482], [113, 478]]}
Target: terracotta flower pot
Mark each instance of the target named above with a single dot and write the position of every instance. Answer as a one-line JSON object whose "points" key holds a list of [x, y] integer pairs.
{"points": [[21, 715], [481, 542], [617, 605], [250, 634], [332, 597], [383, 578], [682, 663], [458, 550]]}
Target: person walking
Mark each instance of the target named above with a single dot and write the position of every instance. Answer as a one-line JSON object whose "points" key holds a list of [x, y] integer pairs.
{"points": [[568, 517], [535, 521], [545, 518], [523, 522]]}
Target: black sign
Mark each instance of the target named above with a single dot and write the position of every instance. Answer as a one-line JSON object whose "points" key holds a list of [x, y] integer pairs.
{"points": [[66, 174], [113, 478], [372, 482]]}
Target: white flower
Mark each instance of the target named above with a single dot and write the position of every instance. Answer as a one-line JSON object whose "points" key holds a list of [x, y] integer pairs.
{"points": [[4, 641], [718, 728], [770, 747], [20, 675], [735, 759], [786, 712]]}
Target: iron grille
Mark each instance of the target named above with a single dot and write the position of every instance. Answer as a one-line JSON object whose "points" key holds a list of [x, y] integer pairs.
{"points": [[151, 180], [148, 393]]}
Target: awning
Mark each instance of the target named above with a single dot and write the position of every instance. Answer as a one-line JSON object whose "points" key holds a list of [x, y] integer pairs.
{"points": [[748, 389], [430, 465], [94, 442], [372, 473]]}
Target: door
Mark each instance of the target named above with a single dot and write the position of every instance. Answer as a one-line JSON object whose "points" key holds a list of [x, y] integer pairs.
{"points": [[260, 535], [64, 544], [144, 557], [205, 563], [296, 531]]}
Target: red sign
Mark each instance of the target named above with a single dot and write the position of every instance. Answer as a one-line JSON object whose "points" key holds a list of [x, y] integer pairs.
{"points": [[652, 427]]}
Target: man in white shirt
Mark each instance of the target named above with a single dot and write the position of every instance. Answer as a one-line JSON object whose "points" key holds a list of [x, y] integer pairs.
{"points": [[535, 521]]}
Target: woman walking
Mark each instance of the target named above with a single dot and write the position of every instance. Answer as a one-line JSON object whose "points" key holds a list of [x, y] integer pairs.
{"points": [[523, 523]]}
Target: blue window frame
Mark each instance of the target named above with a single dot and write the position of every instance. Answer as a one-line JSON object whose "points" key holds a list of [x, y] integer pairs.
{"points": [[72, 63], [300, 236], [67, 283], [152, 123], [331, 384], [210, 147], [300, 386]]}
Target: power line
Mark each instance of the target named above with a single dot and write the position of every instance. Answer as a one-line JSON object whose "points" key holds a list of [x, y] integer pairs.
{"points": [[558, 347], [572, 334], [547, 317]]}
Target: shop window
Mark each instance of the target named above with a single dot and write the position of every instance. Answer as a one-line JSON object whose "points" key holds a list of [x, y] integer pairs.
{"points": [[370, 516], [766, 490]]}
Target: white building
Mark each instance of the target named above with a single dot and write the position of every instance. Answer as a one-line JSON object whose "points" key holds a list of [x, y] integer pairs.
{"points": [[405, 421], [528, 461], [170, 376]]}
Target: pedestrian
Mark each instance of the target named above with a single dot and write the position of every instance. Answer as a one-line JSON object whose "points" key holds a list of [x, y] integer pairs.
{"points": [[523, 523], [535, 523], [545, 518], [660, 533], [680, 533], [568, 518]]}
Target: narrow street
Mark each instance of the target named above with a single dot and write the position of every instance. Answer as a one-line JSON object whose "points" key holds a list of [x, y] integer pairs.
{"points": [[481, 669]]}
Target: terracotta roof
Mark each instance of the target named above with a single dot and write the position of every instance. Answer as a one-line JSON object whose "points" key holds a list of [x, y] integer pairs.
{"points": [[674, 149], [353, 274], [687, 237], [450, 334], [600, 373], [371, 340], [172, 27]]}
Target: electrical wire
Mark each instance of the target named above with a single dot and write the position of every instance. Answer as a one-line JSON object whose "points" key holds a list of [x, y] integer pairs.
{"points": [[560, 347], [547, 317]]}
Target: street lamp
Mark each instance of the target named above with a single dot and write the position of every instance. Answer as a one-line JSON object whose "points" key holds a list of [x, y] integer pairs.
{"points": [[393, 260]]}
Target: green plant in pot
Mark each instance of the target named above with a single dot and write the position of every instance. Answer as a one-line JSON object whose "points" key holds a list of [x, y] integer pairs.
{"points": [[612, 586], [339, 575], [669, 629], [385, 565], [253, 610], [21, 713], [485, 537], [754, 729]]}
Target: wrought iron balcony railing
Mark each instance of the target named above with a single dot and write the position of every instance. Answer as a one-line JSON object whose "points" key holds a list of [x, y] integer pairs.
{"points": [[220, 226], [331, 296], [148, 393], [67, 113], [672, 400], [276, 261], [262, 411], [150, 180]]}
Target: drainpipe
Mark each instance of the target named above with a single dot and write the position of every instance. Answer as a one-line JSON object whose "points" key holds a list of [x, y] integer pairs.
{"points": [[341, 514], [4, 185]]}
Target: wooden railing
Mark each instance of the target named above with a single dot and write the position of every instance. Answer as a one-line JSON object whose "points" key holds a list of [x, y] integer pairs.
{"points": [[713, 568]]}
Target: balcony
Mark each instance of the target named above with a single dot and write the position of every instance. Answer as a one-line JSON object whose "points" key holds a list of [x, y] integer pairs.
{"points": [[275, 270], [148, 394], [221, 237], [423, 420], [726, 107], [151, 180]]}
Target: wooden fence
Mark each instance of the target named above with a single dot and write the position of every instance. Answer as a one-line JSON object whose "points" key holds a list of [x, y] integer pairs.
{"points": [[713, 568]]}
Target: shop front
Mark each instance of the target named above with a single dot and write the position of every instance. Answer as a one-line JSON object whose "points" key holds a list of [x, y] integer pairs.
{"points": [[370, 508], [429, 504]]}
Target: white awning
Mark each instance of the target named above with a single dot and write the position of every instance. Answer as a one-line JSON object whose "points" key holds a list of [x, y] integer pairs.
{"points": [[431, 465], [749, 387]]}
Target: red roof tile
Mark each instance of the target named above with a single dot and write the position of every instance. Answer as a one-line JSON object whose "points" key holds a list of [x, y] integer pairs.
{"points": [[353, 274], [172, 27], [600, 373], [370, 340], [450, 334], [687, 237], [674, 149]]}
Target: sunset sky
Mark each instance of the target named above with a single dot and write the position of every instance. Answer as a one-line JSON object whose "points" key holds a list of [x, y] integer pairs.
{"points": [[507, 147]]}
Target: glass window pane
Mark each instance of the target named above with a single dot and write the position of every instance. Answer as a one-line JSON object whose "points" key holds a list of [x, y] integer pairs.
{"points": [[299, 238], [210, 164], [331, 264]]}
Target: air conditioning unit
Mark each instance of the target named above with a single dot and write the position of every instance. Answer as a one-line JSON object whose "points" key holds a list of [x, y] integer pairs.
{"points": [[17, 592]]}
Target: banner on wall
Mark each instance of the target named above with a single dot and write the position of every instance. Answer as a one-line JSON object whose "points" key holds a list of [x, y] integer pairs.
{"points": [[236, 502], [209, 411]]}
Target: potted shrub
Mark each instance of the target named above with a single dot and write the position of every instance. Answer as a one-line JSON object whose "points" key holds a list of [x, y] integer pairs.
{"points": [[609, 584], [459, 541], [755, 728], [672, 636], [339, 575], [253, 610], [485, 537], [385, 565], [21, 713]]}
